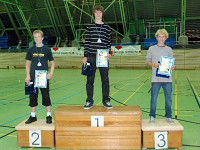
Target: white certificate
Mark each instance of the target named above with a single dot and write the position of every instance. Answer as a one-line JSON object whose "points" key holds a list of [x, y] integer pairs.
{"points": [[40, 78], [101, 60], [166, 64]]}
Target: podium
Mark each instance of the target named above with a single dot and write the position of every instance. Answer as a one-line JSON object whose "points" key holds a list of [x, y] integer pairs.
{"points": [[98, 127], [36, 134], [174, 133]]}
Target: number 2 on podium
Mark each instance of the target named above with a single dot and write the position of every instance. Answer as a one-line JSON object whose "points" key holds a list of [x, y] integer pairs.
{"points": [[97, 121], [35, 138]]}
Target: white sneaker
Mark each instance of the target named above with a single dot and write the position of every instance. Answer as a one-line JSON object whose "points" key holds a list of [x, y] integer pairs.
{"points": [[88, 105], [169, 120], [152, 120], [107, 105]]}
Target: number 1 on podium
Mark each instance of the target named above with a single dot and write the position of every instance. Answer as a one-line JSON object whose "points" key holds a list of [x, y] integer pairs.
{"points": [[97, 121]]}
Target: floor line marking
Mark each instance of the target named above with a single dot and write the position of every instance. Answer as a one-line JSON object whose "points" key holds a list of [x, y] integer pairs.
{"points": [[135, 92], [176, 96], [125, 85], [42, 108], [9, 135], [193, 90], [115, 92]]}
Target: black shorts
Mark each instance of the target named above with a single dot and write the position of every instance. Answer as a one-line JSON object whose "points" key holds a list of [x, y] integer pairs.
{"points": [[46, 101]]}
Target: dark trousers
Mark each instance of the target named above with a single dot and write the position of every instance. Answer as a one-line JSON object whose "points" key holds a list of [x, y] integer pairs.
{"points": [[45, 97], [104, 79]]}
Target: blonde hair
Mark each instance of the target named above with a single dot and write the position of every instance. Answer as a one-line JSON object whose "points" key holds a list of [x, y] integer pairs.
{"points": [[39, 31], [162, 31], [98, 8]]}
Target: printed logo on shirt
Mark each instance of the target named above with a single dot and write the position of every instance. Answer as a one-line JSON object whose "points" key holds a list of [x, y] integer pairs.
{"points": [[37, 54]]}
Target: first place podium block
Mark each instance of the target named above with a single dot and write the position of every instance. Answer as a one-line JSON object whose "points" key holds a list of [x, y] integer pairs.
{"points": [[162, 134], [36, 134], [98, 128]]}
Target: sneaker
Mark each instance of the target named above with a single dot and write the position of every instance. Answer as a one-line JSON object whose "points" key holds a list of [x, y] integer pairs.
{"points": [[107, 105], [152, 120], [48, 119], [169, 120], [31, 119], [88, 105]]}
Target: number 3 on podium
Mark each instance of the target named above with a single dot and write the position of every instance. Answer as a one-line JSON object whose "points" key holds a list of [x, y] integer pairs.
{"points": [[97, 121], [161, 140]]}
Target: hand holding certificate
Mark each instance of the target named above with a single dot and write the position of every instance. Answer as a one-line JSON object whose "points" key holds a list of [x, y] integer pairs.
{"points": [[101, 59], [165, 68], [40, 78]]}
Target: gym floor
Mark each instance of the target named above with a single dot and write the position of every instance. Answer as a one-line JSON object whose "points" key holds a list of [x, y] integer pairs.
{"points": [[127, 87]]}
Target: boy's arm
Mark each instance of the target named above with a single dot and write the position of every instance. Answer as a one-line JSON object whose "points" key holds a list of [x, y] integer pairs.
{"points": [[149, 59], [151, 64], [86, 45], [28, 67], [108, 42], [50, 75]]}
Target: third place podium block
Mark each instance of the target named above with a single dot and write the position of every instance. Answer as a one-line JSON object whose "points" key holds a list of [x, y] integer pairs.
{"points": [[98, 128], [162, 135]]}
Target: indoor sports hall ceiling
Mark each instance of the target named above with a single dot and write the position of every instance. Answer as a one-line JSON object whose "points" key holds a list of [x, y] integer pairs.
{"points": [[66, 19]]}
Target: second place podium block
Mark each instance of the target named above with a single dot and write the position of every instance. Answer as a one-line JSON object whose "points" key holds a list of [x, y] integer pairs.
{"points": [[98, 128], [36, 134]]}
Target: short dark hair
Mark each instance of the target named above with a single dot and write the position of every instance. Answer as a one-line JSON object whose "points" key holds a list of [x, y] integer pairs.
{"points": [[98, 8]]}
